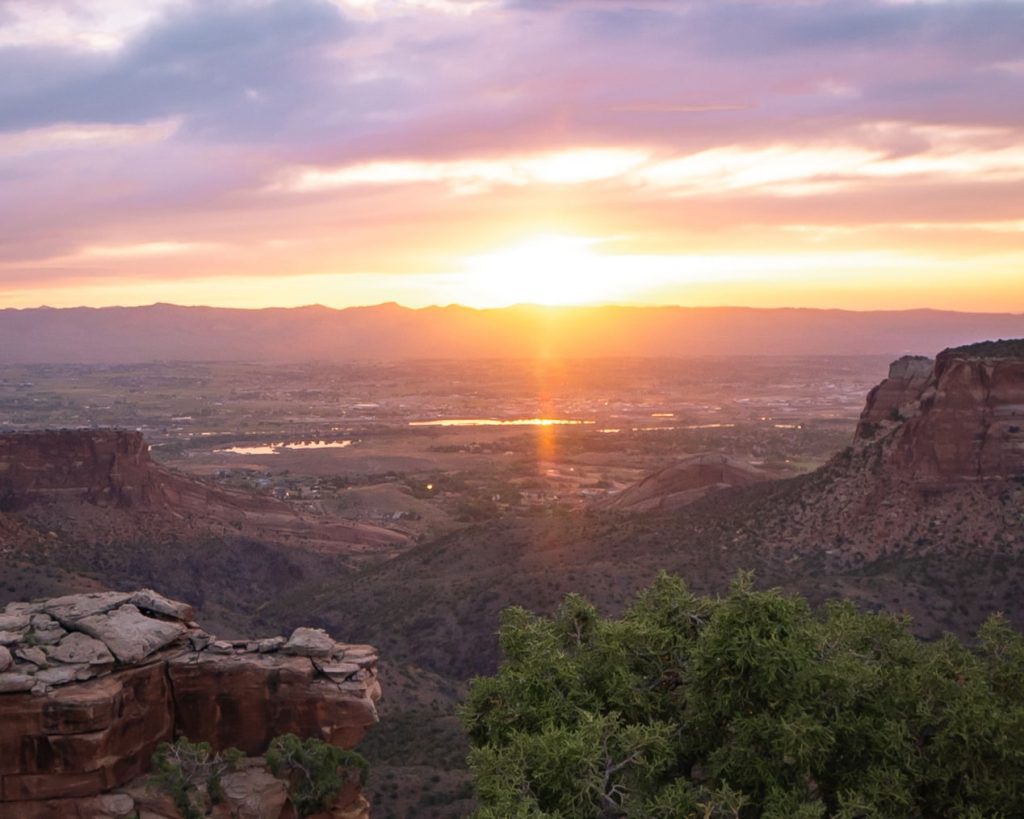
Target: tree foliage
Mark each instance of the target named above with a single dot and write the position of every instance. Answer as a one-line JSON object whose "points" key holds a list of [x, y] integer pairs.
{"points": [[746, 706], [316, 772], [190, 773]]}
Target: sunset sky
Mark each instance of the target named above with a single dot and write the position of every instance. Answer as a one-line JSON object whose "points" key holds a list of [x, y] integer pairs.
{"points": [[699, 152]]}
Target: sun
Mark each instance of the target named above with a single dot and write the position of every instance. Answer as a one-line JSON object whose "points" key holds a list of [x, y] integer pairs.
{"points": [[547, 269]]}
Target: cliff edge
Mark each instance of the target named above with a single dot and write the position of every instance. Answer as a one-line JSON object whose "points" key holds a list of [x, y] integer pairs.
{"points": [[959, 418], [91, 684]]}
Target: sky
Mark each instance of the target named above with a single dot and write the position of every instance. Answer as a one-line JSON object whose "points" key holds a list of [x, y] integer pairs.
{"points": [[862, 154]]}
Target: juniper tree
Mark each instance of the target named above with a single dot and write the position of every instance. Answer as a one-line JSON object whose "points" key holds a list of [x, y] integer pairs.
{"points": [[751, 705]]}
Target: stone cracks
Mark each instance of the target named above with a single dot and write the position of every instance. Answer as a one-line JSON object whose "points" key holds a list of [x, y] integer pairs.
{"points": [[92, 683]]}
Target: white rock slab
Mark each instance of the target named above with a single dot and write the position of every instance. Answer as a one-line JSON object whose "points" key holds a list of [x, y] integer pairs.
{"points": [[11, 683], [70, 609], [130, 634], [309, 642], [80, 648]]}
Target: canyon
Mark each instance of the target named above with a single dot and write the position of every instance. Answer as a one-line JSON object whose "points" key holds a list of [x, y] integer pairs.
{"points": [[918, 512]]}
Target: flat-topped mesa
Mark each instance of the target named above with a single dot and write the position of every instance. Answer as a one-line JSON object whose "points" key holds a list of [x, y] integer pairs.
{"points": [[90, 684], [963, 420], [103, 485], [110, 466]]}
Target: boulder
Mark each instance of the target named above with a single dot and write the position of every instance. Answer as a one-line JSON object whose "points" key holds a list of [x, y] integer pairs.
{"points": [[270, 645], [31, 654], [252, 793], [74, 607], [5, 658], [129, 634], [14, 622], [80, 648], [15, 681], [309, 642], [149, 601], [48, 635]]}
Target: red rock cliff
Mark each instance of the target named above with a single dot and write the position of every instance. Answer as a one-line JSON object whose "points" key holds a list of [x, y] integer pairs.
{"points": [[91, 483], [103, 466], [962, 420], [91, 684]]}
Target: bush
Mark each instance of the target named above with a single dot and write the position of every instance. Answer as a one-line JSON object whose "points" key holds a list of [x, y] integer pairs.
{"points": [[748, 706], [191, 774], [316, 772]]}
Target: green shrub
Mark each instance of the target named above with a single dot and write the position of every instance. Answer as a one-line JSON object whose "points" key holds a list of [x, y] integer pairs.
{"points": [[191, 774], [746, 706], [316, 772]]}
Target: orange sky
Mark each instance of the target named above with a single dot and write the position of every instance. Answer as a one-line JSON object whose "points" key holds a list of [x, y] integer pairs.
{"points": [[815, 153]]}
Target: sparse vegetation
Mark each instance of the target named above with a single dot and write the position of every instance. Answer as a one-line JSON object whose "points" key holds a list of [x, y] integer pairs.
{"points": [[316, 772], [190, 773]]}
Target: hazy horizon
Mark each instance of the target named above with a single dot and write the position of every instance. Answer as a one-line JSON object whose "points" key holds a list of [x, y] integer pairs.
{"points": [[515, 306]]}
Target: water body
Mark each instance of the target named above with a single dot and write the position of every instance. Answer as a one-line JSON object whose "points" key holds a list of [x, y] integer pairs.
{"points": [[497, 422], [277, 448]]}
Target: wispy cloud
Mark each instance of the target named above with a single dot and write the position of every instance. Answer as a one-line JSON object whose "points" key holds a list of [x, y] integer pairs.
{"points": [[371, 137], [568, 167], [145, 249]]}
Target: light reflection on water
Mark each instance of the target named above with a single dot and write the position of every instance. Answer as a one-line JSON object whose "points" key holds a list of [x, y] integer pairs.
{"points": [[276, 448], [499, 422]]}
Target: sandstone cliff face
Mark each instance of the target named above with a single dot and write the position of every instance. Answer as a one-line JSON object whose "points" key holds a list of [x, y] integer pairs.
{"points": [[897, 395], [961, 420], [88, 482], [934, 474], [91, 684], [107, 467]]}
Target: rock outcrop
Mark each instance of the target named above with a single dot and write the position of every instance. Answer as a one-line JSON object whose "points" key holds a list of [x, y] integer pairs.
{"points": [[897, 395], [934, 475], [959, 418], [87, 481], [685, 481], [91, 684]]}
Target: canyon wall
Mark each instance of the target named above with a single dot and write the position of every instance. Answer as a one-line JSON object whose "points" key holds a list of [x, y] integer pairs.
{"points": [[959, 418]]}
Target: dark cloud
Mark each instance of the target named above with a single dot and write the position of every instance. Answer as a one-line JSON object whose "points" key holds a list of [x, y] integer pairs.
{"points": [[228, 67]]}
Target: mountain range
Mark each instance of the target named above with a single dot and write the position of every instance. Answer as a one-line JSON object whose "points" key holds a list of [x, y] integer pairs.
{"points": [[166, 332]]}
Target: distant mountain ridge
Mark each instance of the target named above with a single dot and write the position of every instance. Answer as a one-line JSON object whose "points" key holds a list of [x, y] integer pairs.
{"points": [[166, 332]]}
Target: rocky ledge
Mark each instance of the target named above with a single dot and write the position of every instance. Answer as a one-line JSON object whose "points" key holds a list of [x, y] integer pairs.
{"points": [[957, 418], [90, 684]]}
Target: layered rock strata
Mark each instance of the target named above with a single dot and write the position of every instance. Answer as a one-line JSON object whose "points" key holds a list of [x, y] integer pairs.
{"points": [[90, 685], [958, 418], [84, 482]]}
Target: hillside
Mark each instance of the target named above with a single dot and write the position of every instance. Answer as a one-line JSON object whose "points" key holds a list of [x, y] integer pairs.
{"points": [[388, 331], [683, 482], [81, 507], [921, 514]]}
